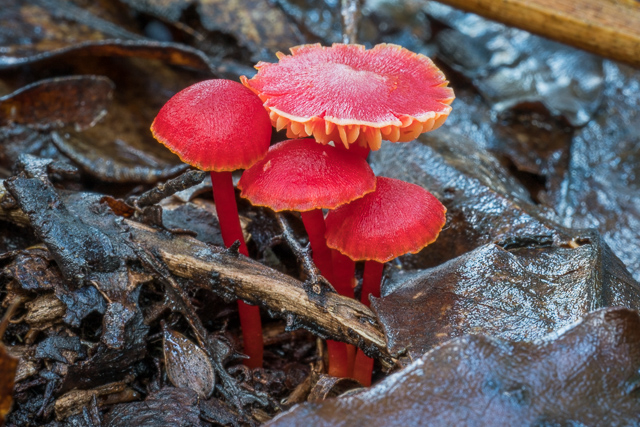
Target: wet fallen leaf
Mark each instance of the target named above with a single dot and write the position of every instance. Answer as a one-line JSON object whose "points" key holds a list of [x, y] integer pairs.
{"points": [[169, 406], [588, 375], [601, 186], [485, 204], [188, 366], [259, 25], [516, 294], [78, 100]]}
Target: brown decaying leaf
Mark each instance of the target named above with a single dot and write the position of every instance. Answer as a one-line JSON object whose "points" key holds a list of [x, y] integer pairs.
{"points": [[516, 293], [588, 375], [118, 206], [77, 100], [187, 364], [120, 148], [258, 25], [166, 407]]}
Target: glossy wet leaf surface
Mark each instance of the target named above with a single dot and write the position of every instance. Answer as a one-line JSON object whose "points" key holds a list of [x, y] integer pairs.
{"points": [[587, 375]]}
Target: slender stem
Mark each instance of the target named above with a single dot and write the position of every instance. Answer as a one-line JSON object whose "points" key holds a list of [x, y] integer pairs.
{"points": [[362, 368], [314, 224], [371, 279], [350, 12], [225, 198], [344, 269], [337, 359], [251, 325]]}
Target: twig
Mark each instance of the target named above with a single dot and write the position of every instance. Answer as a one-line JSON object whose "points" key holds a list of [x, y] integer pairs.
{"points": [[182, 182], [326, 314], [6, 319], [350, 11], [304, 256]]}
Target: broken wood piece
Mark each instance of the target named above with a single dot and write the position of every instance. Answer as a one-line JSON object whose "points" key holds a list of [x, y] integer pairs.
{"points": [[326, 314], [610, 28], [72, 402], [164, 190]]}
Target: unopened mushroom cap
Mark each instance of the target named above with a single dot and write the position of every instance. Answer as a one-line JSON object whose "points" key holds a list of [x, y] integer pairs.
{"points": [[214, 125], [396, 219], [300, 175], [350, 94]]}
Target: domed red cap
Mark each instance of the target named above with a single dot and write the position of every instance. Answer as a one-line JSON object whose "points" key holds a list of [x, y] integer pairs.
{"points": [[349, 94], [397, 218], [300, 175], [214, 125]]}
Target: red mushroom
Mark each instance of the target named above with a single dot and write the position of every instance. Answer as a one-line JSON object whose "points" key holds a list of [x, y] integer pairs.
{"points": [[299, 175], [347, 94], [396, 219], [220, 126]]}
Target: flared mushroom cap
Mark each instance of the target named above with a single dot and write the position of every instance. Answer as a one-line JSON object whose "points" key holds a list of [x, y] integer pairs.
{"points": [[300, 175], [396, 219], [349, 94], [215, 125]]}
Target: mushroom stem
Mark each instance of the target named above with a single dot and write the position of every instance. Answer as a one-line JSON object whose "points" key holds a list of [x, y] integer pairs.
{"points": [[225, 199], [358, 149], [344, 269], [362, 368], [371, 279], [314, 224], [338, 359]]}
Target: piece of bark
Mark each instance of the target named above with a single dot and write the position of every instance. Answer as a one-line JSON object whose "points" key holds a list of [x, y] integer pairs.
{"points": [[44, 312], [73, 401]]}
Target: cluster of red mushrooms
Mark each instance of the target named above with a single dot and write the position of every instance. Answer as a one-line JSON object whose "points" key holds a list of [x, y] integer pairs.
{"points": [[347, 99]]}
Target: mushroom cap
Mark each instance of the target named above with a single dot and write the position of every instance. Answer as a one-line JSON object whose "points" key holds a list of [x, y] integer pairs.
{"points": [[396, 219], [300, 175], [350, 94], [214, 125]]}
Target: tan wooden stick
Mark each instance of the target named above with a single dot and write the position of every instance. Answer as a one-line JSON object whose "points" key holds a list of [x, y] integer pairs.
{"points": [[610, 28]]}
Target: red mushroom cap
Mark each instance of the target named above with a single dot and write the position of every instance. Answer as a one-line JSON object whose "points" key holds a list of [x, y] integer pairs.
{"points": [[349, 94], [300, 175], [396, 219], [214, 125]]}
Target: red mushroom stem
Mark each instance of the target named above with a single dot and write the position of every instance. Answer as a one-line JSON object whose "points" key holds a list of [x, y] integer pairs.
{"points": [[344, 269], [371, 279], [314, 224], [231, 230]]}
